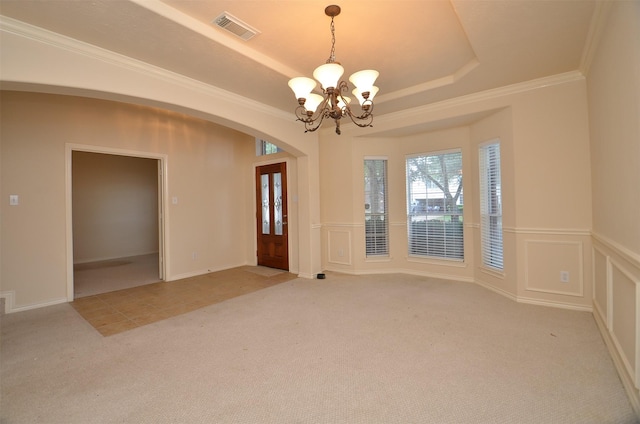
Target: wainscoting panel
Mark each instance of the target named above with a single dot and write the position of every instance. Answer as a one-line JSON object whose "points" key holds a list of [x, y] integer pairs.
{"points": [[601, 287], [624, 325], [546, 261], [339, 247], [617, 309]]}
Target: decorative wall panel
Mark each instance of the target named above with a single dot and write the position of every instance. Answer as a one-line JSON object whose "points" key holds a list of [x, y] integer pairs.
{"points": [[339, 245], [601, 282], [624, 322], [554, 267]]}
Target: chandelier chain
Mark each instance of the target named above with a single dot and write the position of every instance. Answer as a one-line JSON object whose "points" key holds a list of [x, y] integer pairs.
{"points": [[332, 55]]}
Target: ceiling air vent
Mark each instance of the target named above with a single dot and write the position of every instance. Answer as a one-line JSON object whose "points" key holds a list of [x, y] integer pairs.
{"points": [[235, 26]]}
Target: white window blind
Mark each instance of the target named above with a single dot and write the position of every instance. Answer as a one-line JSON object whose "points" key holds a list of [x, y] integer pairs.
{"points": [[375, 208], [435, 205], [491, 206]]}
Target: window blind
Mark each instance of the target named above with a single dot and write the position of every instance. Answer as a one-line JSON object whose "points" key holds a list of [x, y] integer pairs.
{"points": [[491, 206], [435, 205], [375, 210]]}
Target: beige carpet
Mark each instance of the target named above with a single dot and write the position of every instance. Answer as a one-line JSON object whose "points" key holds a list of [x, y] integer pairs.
{"points": [[380, 349], [117, 274]]}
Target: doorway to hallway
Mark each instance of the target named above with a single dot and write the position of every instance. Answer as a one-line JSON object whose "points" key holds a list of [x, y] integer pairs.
{"points": [[116, 222]]}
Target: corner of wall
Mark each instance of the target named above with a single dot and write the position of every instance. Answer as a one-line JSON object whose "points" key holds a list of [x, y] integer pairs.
{"points": [[627, 382]]}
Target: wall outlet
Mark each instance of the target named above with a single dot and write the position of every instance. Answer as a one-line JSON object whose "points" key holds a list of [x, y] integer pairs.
{"points": [[194, 255], [564, 276]]}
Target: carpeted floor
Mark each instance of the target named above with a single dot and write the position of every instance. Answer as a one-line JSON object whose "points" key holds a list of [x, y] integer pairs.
{"points": [[116, 274], [348, 349]]}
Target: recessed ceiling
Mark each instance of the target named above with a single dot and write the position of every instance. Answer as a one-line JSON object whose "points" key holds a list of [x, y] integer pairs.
{"points": [[426, 51]]}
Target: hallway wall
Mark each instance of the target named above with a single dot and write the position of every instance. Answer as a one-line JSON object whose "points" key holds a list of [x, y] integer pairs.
{"points": [[115, 206], [207, 171]]}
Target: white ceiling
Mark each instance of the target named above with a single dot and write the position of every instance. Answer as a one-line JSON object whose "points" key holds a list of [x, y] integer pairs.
{"points": [[426, 50]]}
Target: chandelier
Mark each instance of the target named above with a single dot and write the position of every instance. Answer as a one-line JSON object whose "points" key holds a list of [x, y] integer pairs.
{"points": [[314, 108]]}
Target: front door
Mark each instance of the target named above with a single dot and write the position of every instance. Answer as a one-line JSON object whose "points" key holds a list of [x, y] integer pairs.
{"points": [[271, 216]]}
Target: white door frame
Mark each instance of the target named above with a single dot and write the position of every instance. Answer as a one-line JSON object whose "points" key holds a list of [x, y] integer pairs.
{"points": [[162, 204]]}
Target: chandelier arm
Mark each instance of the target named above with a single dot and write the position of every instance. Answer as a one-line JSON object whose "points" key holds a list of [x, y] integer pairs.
{"points": [[368, 118], [367, 105], [301, 113], [367, 109], [308, 124]]}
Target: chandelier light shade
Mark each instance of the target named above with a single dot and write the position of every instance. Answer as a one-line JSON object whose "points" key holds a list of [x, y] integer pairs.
{"points": [[313, 101], [361, 99], [313, 108], [364, 80], [302, 86], [328, 74]]}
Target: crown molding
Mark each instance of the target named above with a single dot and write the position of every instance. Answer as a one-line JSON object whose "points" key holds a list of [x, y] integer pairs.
{"points": [[430, 85], [90, 51], [418, 113], [598, 23]]}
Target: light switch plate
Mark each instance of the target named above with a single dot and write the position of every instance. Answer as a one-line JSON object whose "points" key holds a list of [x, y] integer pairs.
{"points": [[13, 199]]}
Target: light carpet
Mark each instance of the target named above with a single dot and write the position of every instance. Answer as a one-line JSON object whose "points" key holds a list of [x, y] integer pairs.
{"points": [[98, 277], [366, 349]]}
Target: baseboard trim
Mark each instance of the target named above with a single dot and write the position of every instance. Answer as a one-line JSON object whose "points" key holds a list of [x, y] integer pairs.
{"points": [[627, 382], [497, 290], [404, 271], [9, 299], [531, 301], [10, 303], [519, 299], [553, 304]]}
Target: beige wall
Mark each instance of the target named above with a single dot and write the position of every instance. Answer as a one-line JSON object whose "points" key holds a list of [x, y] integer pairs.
{"points": [[543, 130], [35, 60], [557, 186], [208, 171], [614, 111], [114, 206], [498, 126], [552, 195]]}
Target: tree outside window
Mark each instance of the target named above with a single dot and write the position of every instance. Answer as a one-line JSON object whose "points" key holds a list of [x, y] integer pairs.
{"points": [[375, 208], [435, 205]]}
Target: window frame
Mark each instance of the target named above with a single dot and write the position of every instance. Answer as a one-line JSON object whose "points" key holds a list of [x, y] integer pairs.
{"points": [[264, 148], [490, 206], [419, 245], [375, 237]]}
